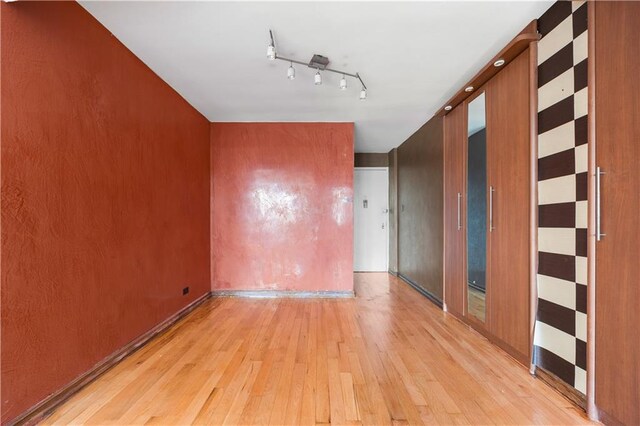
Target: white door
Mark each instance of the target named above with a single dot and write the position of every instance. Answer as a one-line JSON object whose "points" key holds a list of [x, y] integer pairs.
{"points": [[370, 209]]}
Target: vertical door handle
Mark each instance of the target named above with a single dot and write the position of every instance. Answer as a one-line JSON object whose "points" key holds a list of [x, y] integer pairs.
{"points": [[491, 191], [459, 222], [599, 233]]}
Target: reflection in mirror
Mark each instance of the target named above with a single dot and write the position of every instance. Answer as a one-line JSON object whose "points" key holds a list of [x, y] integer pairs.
{"points": [[476, 208]]}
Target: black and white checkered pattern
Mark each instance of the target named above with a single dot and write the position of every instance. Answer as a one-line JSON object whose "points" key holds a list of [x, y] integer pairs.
{"points": [[561, 326]]}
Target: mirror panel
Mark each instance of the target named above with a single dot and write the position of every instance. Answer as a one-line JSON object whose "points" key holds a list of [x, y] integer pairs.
{"points": [[477, 208]]}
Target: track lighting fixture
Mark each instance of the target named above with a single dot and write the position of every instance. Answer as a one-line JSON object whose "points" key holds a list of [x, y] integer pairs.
{"points": [[317, 62], [291, 72], [343, 83], [271, 48]]}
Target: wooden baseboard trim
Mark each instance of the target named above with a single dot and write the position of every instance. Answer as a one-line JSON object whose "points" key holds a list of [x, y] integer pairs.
{"points": [[457, 315], [480, 328], [520, 358], [563, 388], [279, 294], [421, 290], [607, 419], [45, 407]]}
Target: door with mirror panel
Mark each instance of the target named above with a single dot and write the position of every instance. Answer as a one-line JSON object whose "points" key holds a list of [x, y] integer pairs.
{"points": [[493, 288], [476, 208]]}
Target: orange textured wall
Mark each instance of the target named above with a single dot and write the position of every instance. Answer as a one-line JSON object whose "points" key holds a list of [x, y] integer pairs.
{"points": [[282, 206], [105, 198]]}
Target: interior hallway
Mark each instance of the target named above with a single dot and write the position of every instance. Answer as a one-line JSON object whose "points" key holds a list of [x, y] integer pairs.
{"points": [[387, 356]]}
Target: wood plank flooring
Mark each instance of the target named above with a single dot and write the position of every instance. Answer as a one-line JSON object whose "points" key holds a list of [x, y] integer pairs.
{"points": [[388, 356], [476, 305]]}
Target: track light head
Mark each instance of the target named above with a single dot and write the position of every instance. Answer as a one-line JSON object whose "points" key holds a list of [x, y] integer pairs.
{"points": [[363, 94], [317, 79], [343, 83], [291, 72], [271, 48]]}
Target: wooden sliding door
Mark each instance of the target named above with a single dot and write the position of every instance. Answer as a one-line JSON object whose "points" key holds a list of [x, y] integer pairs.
{"points": [[617, 254], [454, 166], [487, 191], [508, 161]]}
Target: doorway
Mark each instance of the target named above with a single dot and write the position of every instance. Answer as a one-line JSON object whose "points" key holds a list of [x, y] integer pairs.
{"points": [[371, 224]]}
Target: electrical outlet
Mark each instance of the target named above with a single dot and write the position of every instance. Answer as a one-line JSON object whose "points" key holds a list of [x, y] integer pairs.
{"points": [[185, 290]]}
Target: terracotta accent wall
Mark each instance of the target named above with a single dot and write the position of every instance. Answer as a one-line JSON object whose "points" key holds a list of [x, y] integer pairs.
{"points": [[105, 199], [282, 206], [421, 208]]}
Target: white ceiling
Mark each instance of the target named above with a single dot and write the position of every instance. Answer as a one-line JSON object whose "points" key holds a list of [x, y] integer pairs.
{"points": [[412, 56]]}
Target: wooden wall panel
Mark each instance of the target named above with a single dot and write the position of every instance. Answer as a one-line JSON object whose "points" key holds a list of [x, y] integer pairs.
{"points": [[617, 138], [508, 164], [393, 210], [454, 205], [420, 217], [371, 159]]}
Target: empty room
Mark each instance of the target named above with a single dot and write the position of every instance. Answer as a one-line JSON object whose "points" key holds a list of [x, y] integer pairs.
{"points": [[319, 212]]}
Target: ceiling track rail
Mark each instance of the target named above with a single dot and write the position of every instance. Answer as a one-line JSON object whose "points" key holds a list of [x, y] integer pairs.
{"points": [[272, 53]]}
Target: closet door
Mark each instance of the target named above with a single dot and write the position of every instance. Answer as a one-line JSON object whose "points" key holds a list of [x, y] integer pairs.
{"points": [[508, 163], [617, 144], [454, 202]]}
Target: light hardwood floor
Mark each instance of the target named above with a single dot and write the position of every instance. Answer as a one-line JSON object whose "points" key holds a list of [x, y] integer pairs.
{"points": [[389, 356], [476, 305]]}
